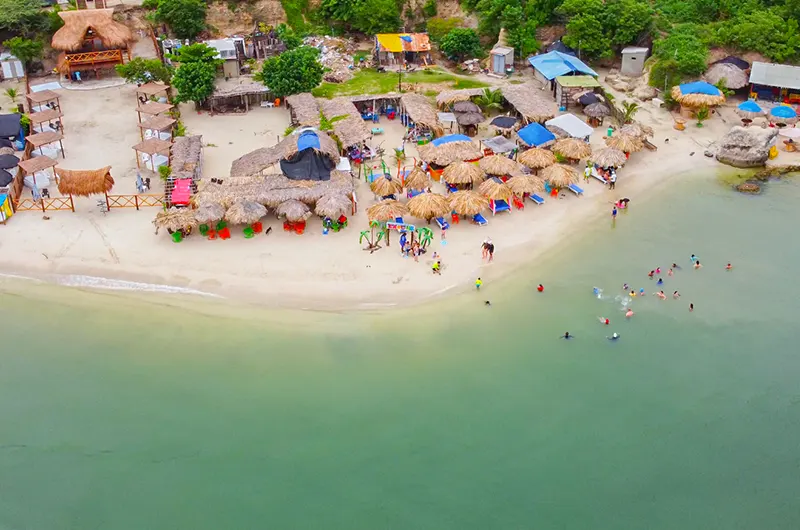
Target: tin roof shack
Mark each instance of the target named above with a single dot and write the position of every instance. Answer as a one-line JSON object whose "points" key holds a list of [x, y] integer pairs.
{"points": [[633, 61], [231, 51], [569, 85], [502, 60], [775, 82], [401, 49]]}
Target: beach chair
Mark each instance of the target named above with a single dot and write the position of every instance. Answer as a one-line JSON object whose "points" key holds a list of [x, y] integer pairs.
{"points": [[518, 204], [444, 225], [479, 220], [451, 188], [177, 237], [537, 199], [575, 189], [225, 233], [248, 232], [399, 220], [499, 206], [454, 218]]}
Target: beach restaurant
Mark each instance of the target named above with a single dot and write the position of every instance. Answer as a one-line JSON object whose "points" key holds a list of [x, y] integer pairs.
{"points": [[400, 49], [775, 82]]}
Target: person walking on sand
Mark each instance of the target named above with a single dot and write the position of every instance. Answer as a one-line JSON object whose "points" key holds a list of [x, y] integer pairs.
{"points": [[485, 248], [587, 172], [415, 251], [478, 284], [614, 213], [612, 182], [490, 250], [437, 267]]}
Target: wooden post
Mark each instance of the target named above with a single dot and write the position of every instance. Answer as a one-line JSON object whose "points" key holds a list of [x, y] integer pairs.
{"points": [[138, 166], [71, 203], [108, 206], [136, 201], [63, 153]]}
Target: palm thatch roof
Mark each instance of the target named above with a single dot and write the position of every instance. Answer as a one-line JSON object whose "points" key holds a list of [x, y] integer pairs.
{"points": [[528, 100], [421, 111], [466, 107], [446, 154], [696, 100], [448, 97], [70, 37], [175, 219], [257, 161], [417, 179], [384, 186], [387, 210], [294, 211], [499, 165], [84, 182], [463, 173], [597, 110], [536, 158], [209, 213], [495, 189], [559, 175], [244, 212], [351, 130], [522, 184], [303, 109], [609, 157], [572, 148], [468, 202], [637, 130], [469, 118], [734, 76], [625, 143], [428, 205], [187, 156], [333, 205]]}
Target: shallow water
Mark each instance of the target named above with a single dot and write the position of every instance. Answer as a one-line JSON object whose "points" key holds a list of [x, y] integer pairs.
{"points": [[129, 412]]}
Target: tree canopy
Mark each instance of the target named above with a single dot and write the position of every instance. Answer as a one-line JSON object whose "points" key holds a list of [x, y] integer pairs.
{"points": [[288, 37], [194, 81], [186, 18], [292, 72], [461, 43], [140, 70], [26, 50], [366, 16]]}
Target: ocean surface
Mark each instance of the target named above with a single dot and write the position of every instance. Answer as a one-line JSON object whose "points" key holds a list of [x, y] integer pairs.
{"points": [[141, 411]]}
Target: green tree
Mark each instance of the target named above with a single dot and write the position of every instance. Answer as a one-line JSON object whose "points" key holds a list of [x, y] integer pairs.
{"points": [[429, 9], [460, 43], [627, 19], [585, 34], [288, 37], [629, 110], [23, 17], [292, 72], [574, 8], [199, 52], [186, 18], [439, 27], [764, 31], [26, 50], [523, 38], [684, 47], [140, 70], [194, 81], [377, 16]]}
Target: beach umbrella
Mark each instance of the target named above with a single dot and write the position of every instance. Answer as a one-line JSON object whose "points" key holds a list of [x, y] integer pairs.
{"points": [[625, 143], [499, 165], [495, 189], [560, 175], [471, 118], [383, 186], [294, 211], [417, 179], [209, 213], [244, 212], [504, 122], [782, 113], [466, 107], [698, 94], [790, 132], [597, 110], [429, 205], [609, 157], [8, 161], [536, 158], [749, 110], [522, 184], [468, 202], [5, 142], [7, 150], [463, 173], [572, 148], [333, 205], [637, 130], [175, 219], [5, 178], [586, 98], [734, 76], [387, 210]]}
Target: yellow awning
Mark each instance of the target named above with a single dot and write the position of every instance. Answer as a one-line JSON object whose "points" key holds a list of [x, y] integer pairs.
{"points": [[390, 42]]}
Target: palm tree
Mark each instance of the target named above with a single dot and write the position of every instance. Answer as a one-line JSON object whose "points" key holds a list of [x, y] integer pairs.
{"points": [[373, 239], [425, 236], [490, 100], [12, 94], [629, 110], [326, 124]]}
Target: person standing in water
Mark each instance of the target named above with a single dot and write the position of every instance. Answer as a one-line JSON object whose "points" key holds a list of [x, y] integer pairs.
{"points": [[567, 336], [676, 295], [629, 313], [540, 288], [697, 265], [728, 267], [614, 336], [691, 307], [614, 213]]}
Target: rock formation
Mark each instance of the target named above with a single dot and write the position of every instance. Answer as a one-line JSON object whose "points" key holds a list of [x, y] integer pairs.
{"points": [[749, 187], [745, 146]]}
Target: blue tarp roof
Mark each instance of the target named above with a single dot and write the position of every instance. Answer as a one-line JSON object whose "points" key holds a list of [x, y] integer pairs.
{"points": [[750, 106], [450, 138], [700, 87], [307, 139], [783, 112], [553, 64], [535, 135]]}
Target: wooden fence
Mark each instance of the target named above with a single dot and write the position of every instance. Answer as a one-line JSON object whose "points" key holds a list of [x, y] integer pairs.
{"points": [[44, 204], [134, 201]]}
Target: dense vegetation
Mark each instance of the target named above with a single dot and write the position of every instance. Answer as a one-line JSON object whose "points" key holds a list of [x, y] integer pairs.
{"points": [[196, 75], [292, 72]]}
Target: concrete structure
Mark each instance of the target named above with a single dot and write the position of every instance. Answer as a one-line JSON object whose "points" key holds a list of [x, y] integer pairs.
{"points": [[633, 61], [227, 51], [502, 59]]}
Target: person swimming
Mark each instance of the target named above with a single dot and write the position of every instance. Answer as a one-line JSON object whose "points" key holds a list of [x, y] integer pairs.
{"points": [[633, 293], [614, 336], [676, 266], [597, 292], [604, 320], [697, 264], [661, 295], [691, 307], [567, 336], [487, 302], [660, 282], [693, 258], [728, 267], [629, 313], [651, 274], [641, 291], [670, 273], [676, 295], [658, 270], [625, 287], [540, 288]]}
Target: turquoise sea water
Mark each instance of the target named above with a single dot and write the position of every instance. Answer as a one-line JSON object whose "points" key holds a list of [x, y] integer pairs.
{"points": [[130, 413]]}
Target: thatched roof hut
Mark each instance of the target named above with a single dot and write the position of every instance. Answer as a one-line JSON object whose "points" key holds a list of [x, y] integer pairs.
{"points": [[597, 110], [333, 205], [257, 161], [463, 173], [637, 130], [625, 143], [559, 175], [84, 182], [448, 97], [572, 148], [495, 189], [244, 212], [499, 165], [70, 37], [536, 158], [734, 76], [175, 219], [294, 211], [522, 184], [209, 213], [609, 157], [469, 119], [351, 130], [529, 101], [303, 109], [387, 210], [446, 154], [383, 186], [417, 179], [698, 94], [468, 202], [421, 111], [428, 205], [187, 156]]}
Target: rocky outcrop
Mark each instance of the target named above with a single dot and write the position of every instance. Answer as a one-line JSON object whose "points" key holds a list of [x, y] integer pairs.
{"points": [[749, 187], [745, 146], [644, 92]]}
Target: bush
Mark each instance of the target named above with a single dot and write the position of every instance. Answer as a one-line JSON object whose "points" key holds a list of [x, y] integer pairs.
{"points": [[194, 81], [685, 48], [665, 74], [292, 72], [429, 9], [187, 18], [141, 70], [439, 27], [460, 43], [150, 4]]}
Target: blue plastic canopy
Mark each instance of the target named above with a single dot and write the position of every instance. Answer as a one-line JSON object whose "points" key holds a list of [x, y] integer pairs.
{"points": [[750, 106], [450, 138], [783, 111], [700, 87], [406, 38], [555, 63], [535, 135], [307, 139]]}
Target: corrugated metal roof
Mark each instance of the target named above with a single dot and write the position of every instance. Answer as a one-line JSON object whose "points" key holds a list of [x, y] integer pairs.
{"points": [[585, 81], [777, 75], [398, 42]]}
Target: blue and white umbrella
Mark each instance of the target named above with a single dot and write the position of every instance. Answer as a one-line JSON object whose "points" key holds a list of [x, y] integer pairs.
{"points": [[783, 113], [749, 110]]}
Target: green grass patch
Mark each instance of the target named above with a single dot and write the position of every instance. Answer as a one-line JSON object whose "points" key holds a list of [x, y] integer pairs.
{"points": [[373, 82], [294, 14]]}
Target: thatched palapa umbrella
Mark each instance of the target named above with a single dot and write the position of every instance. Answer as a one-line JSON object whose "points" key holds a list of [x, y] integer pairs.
{"points": [[175, 219], [468, 202], [469, 119], [333, 205], [734, 76], [597, 110], [525, 184], [637, 130], [466, 107], [609, 157], [294, 211], [625, 143], [428, 205], [463, 173], [499, 165], [560, 175], [417, 179], [445, 154], [245, 212], [572, 148], [698, 94], [384, 186], [387, 210], [209, 213], [495, 189], [537, 158]]}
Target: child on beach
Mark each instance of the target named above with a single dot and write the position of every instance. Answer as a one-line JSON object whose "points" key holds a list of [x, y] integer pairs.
{"points": [[614, 212], [437, 266], [478, 284]]}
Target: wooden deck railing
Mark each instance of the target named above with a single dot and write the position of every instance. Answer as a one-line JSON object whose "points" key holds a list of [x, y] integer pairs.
{"points": [[94, 57], [135, 201], [45, 204]]}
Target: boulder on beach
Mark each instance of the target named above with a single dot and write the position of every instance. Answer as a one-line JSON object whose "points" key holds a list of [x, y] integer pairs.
{"points": [[745, 146], [749, 187]]}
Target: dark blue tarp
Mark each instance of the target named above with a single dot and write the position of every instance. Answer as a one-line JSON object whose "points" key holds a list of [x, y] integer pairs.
{"points": [[535, 135], [700, 87], [450, 138], [735, 61], [9, 125], [308, 139], [504, 122], [559, 46]]}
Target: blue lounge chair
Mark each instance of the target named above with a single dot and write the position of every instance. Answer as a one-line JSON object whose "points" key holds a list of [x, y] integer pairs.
{"points": [[536, 198], [500, 206], [398, 220], [444, 225], [478, 219], [451, 188], [413, 193], [575, 189]]}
